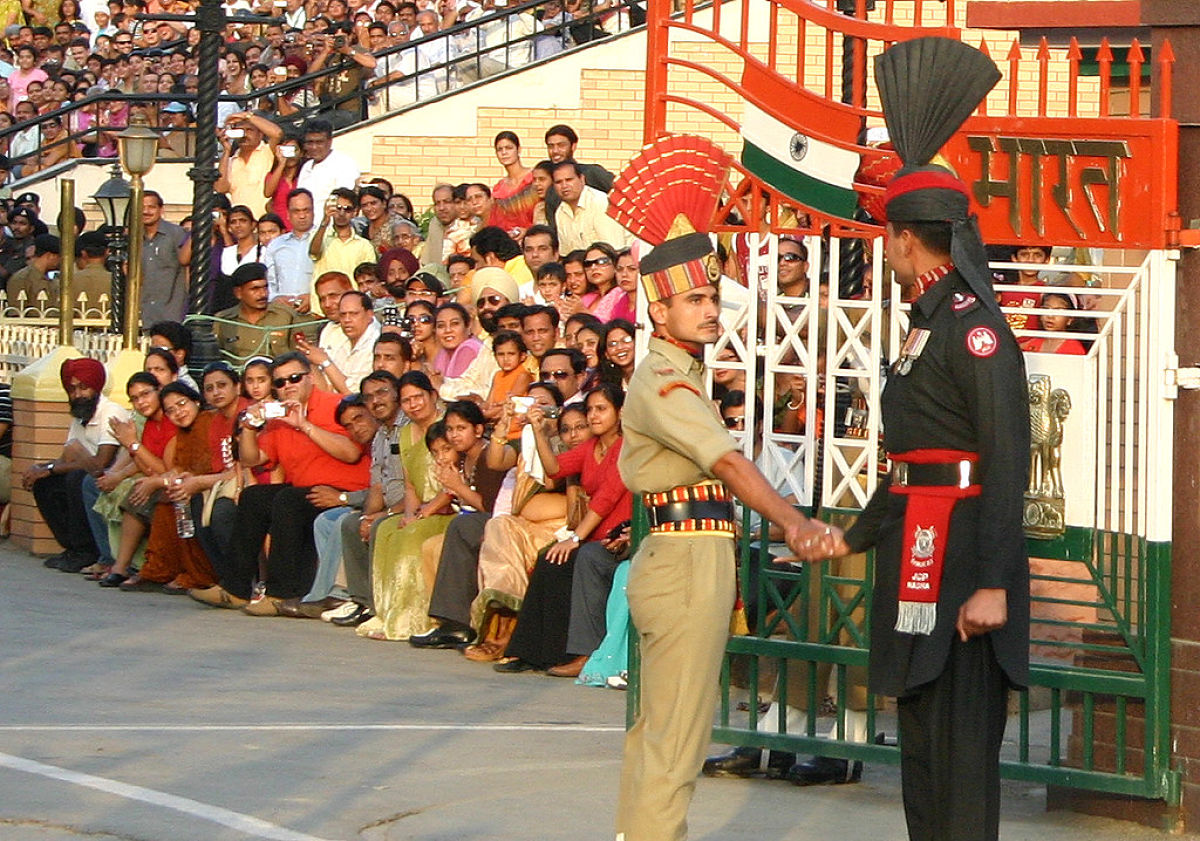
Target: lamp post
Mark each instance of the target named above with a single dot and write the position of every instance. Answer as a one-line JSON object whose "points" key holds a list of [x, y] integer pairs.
{"points": [[137, 146], [113, 200]]}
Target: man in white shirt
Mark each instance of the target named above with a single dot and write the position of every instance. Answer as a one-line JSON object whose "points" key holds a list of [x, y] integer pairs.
{"points": [[345, 352], [90, 447], [582, 217], [326, 169]]}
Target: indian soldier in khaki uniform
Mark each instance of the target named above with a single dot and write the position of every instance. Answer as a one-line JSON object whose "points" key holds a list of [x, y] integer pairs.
{"points": [[681, 588], [253, 317]]}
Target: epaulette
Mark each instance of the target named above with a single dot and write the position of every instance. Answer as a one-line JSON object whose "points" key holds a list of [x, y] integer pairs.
{"points": [[671, 386]]}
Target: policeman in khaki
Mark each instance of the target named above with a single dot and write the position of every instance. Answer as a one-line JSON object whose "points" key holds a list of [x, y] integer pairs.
{"points": [[682, 583]]}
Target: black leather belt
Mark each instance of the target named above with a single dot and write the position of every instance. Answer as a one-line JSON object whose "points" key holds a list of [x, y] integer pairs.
{"points": [[956, 474], [678, 512]]}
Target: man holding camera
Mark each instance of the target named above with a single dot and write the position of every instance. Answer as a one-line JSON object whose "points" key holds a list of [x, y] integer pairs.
{"points": [[244, 171], [338, 48]]}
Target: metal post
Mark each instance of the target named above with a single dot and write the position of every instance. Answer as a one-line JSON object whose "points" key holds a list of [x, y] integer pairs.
{"points": [[210, 20], [66, 236], [115, 263], [850, 249], [137, 241]]}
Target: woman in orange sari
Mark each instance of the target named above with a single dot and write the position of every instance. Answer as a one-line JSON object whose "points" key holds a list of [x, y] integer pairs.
{"points": [[179, 563]]}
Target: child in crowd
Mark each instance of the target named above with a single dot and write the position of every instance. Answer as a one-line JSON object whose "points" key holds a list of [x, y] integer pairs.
{"points": [[550, 279], [512, 380]]}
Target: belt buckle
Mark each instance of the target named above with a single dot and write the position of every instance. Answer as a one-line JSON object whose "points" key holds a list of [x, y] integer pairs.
{"points": [[964, 474], [900, 473]]}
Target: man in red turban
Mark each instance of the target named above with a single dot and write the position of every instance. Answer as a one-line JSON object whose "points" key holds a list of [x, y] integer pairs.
{"points": [[57, 485]]}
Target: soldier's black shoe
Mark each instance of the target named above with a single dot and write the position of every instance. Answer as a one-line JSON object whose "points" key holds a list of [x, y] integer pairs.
{"points": [[747, 762], [824, 770]]}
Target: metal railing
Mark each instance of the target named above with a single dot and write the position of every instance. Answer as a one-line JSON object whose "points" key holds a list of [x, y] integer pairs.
{"points": [[427, 68]]}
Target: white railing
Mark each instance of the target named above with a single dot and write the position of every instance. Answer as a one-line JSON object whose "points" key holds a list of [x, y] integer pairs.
{"points": [[23, 344]]}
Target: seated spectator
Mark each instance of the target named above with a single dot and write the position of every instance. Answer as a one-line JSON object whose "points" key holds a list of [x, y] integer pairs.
{"points": [[574, 324], [543, 186], [456, 347], [56, 147], [312, 448], [616, 353], [492, 246], [539, 328], [550, 283], [579, 294], [376, 224], [345, 533], [421, 316], [512, 380], [600, 264], [628, 278], [540, 640], [567, 369], [160, 364], [176, 339], [175, 558], [256, 325], [511, 540], [395, 583], [582, 216], [90, 448], [393, 353]]}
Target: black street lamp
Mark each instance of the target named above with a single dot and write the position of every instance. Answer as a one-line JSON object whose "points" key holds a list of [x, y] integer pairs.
{"points": [[113, 200]]}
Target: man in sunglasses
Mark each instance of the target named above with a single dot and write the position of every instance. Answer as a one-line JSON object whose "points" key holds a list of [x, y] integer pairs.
{"points": [[567, 369], [339, 249], [313, 449], [793, 267]]}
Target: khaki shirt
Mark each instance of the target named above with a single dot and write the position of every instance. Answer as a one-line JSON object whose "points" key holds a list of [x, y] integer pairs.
{"points": [[95, 281], [673, 435], [32, 281], [243, 339]]}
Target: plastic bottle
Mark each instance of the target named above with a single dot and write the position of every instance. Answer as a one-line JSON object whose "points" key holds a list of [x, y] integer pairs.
{"points": [[184, 525]]}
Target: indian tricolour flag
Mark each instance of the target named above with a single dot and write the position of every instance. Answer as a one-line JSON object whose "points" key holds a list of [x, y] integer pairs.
{"points": [[783, 143]]}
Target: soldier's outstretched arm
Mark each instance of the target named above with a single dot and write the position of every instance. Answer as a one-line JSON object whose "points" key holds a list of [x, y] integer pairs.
{"points": [[749, 485]]}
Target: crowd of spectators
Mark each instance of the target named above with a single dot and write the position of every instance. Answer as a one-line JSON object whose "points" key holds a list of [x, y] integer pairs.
{"points": [[376, 56]]}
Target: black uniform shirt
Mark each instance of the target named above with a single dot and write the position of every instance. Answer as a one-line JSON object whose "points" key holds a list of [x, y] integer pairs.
{"points": [[965, 391]]}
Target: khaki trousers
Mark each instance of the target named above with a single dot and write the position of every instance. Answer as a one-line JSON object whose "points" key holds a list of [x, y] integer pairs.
{"points": [[681, 592]]}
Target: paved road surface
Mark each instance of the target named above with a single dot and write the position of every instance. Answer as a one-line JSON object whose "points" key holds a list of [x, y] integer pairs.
{"points": [[146, 717]]}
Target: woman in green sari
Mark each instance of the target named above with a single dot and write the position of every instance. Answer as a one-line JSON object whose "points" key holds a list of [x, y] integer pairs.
{"points": [[398, 585]]}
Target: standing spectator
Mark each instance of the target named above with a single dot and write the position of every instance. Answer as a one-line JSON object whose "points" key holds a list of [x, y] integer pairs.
{"points": [[243, 174], [561, 141], [326, 169], [341, 102], [289, 266], [341, 249], [281, 180], [165, 258], [90, 447], [513, 198], [258, 313]]}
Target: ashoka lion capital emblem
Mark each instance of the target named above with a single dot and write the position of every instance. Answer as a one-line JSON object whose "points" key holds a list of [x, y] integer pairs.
{"points": [[1045, 505]]}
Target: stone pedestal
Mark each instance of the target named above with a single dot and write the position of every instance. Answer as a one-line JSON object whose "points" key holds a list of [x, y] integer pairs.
{"points": [[40, 422]]}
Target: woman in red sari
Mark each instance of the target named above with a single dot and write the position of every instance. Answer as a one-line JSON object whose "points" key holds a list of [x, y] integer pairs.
{"points": [[513, 197]]}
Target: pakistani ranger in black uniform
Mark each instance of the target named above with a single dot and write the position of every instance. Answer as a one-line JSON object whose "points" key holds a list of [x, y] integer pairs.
{"points": [[950, 610]]}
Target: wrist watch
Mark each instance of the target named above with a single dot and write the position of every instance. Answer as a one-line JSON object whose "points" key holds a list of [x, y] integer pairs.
{"points": [[49, 467], [321, 366], [343, 499], [134, 447]]}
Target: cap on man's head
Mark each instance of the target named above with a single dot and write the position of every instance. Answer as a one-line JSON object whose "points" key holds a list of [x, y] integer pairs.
{"points": [[434, 277], [176, 108], [23, 213], [46, 244], [247, 272], [29, 198]]}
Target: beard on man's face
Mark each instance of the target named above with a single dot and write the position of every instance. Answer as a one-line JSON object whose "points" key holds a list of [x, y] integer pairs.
{"points": [[84, 408], [487, 320]]}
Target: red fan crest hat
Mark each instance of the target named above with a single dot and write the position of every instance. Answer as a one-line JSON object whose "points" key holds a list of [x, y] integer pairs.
{"points": [[667, 195]]}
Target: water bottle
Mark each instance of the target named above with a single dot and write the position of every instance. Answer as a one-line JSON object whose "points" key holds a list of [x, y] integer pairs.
{"points": [[185, 527]]}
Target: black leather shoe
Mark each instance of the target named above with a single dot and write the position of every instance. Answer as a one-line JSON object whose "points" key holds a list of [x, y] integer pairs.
{"points": [[74, 562], [54, 561], [360, 615], [438, 638], [824, 770], [747, 762]]}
